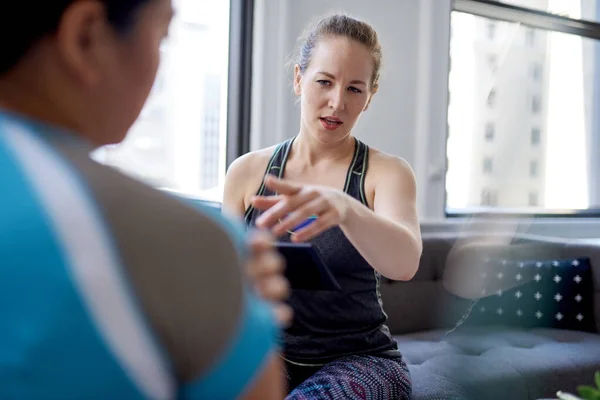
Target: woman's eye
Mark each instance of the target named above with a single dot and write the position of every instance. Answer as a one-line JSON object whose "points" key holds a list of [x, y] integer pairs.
{"points": [[354, 90], [324, 82]]}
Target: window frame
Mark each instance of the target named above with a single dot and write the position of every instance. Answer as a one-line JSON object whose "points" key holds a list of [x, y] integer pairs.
{"points": [[537, 19], [239, 90]]}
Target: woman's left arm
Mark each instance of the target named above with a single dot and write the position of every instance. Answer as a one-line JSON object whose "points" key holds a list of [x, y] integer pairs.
{"points": [[388, 236]]}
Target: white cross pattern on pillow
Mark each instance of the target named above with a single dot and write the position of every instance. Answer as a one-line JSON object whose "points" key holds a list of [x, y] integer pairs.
{"points": [[538, 293]]}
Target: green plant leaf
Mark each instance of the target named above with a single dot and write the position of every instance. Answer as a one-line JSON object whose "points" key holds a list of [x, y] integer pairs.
{"points": [[597, 379], [588, 392]]}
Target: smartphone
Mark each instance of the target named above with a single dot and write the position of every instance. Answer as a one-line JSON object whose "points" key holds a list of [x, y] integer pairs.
{"points": [[305, 267]]}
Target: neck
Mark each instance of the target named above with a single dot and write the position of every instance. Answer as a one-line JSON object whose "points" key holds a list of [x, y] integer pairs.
{"points": [[313, 152], [24, 92]]}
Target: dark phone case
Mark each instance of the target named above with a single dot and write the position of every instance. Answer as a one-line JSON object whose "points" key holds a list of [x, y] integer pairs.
{"points": [[305, 268]]}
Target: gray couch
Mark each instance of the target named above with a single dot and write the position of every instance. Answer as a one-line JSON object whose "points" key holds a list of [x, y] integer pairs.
{"points": [[486, 362]]}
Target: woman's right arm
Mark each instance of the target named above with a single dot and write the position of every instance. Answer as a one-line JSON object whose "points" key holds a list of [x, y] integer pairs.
{"points": [[235, 186], [243, 178], [269, 383]]}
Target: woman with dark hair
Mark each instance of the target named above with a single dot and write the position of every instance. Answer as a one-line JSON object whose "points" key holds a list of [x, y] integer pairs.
{"points": [[110, 289]]}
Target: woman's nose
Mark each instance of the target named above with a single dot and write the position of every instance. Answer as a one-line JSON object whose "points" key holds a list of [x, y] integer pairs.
{"points": [[336, 100]]}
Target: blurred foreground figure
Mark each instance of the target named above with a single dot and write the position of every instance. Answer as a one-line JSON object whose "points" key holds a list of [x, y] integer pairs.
{"points": [[108, 287]]}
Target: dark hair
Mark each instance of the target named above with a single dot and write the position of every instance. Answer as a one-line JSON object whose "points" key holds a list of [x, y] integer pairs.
{"points": [[342, 26], [25, 22]]}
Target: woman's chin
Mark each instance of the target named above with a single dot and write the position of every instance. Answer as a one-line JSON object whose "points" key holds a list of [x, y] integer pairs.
{"points": [[325, 136]]}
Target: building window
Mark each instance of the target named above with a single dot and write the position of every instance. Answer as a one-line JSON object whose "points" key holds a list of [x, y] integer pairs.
{"points": [[536, 136], [541, 107], [489, 197], [536, 104], [536, 72], [491, 99], [491, 30], [533, 199], [533, 169], [492, 61], [490, 131], [488, 165], [530, 37], [210, 133]]}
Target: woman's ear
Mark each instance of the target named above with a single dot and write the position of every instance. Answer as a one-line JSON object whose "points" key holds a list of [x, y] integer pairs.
{"points": [[297, 80]]}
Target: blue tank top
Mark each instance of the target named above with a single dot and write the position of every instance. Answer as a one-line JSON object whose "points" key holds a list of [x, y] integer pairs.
{"points": [[331, 324]]}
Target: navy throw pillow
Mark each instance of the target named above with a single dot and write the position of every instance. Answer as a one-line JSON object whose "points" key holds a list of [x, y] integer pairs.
{"points": [[535, 293]]}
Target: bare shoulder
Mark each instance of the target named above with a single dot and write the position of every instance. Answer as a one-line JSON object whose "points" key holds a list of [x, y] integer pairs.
{"points": [[243, 179], [250, 163], [384, 166]]}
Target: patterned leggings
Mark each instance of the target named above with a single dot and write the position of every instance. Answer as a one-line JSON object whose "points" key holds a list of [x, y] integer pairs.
{"points": [[351, 377]]}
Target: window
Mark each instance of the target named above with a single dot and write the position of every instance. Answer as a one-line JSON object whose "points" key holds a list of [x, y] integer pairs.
{"points": [[533, 169], [533, 199], [488, 165], [209, 160], [536, 104], [586, 9], [179, 139], [530, 37], [543, 107], [535, 136], [489, 132], [493, 62], [491, 30], [491, 99], [489, 197], [536, 72]]}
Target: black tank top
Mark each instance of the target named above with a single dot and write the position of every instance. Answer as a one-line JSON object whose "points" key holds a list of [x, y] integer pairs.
{"points": [[329, 324]]}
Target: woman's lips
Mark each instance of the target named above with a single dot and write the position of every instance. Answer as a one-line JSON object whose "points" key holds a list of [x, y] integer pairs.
{"points": [[331, 123]]}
